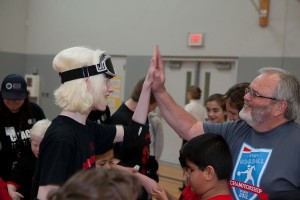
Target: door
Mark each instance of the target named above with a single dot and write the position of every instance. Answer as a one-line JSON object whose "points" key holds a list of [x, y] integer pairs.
{"points": [[216, 77], [178, 74], [211, 76]]}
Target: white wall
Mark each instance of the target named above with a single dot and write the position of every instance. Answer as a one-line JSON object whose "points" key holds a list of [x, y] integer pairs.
{"points": [[133, 27], [13, 25]]}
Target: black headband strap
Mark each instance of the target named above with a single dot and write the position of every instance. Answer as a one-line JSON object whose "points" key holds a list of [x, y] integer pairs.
{"points": [[83, 72]]}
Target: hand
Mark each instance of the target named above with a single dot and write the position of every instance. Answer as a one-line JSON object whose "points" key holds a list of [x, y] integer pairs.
{"points": [[159, 194], [148, 183], [156, 72], [16, 195], [13, 193]]}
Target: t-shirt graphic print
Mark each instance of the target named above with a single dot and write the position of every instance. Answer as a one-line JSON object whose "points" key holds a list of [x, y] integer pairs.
{"points": [[248, 171]]}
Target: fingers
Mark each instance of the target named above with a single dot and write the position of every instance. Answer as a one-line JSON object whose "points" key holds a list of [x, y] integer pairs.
{"points": [[159, 60], [155, 57], [158, 193], [155, 75], [157, 189], [157, 54], [153, 65], [20, 195]]}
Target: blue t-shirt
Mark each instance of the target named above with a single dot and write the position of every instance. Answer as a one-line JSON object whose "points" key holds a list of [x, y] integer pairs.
{"points": [[265, 163]]}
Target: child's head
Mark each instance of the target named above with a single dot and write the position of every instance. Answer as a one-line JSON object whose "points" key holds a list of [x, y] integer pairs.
{"points": [[235, 100], [37, 133], [85, 75], [136, 93], [106, 159], [105, 184], [216, 108], [194, 92], [207, 160]]}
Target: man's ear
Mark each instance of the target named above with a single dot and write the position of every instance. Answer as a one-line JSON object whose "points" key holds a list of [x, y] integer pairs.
{"points": [[281, 108], [209, 173]]}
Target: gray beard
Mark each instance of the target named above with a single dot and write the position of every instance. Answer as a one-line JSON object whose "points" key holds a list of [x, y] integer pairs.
{"points": [[247, 117], [256, 116]]}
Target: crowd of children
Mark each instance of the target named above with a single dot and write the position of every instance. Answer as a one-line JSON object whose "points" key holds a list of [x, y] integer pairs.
{"points": [[72, 157]]}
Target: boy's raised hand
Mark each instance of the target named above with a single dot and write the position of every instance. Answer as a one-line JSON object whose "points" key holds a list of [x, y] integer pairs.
{"points": [[156, 72]]}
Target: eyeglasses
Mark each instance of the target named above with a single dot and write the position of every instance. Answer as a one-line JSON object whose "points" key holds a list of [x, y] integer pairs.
{"points": [[254, 94], [105, 66]]}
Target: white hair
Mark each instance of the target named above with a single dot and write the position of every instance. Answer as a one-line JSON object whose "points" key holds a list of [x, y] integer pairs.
{"points": [[40, 127], [79, 95]]}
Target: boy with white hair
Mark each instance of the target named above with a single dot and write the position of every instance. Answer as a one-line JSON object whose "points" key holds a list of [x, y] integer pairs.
{"points": [[71, 140]]}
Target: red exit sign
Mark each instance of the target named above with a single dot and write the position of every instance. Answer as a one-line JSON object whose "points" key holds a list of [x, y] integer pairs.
{"points": [[195, 39]]}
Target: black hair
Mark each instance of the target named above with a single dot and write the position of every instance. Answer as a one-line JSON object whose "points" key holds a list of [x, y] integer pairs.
{"points": [[208, 149]]}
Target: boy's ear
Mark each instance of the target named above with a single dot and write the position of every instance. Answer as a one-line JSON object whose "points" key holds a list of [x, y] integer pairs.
{"points": [[209, 173]]}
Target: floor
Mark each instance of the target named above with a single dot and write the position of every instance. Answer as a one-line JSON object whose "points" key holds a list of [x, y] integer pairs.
{"points": [[170, 178]]}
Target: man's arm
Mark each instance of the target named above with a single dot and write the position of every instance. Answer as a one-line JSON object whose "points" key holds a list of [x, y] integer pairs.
{"points": [[181, 121], [185, 125]]}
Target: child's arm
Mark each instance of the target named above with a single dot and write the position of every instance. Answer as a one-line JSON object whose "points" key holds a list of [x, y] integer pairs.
{"points": [[148, 183], [140, 115], [162, 194], [12, 190], [22, 172]]}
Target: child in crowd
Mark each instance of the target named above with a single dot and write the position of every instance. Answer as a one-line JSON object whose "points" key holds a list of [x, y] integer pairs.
{"points": [[136, 153], [208, 164], [235, 100], [99, 183], [107, 160], [17, 116], [195, 108], [216, 108], [23, 171], [71, 142]]}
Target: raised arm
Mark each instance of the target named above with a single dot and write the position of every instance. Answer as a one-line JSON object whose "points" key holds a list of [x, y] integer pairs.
{"points": [[185, 125], [141, 112]]}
